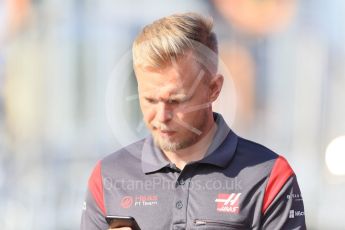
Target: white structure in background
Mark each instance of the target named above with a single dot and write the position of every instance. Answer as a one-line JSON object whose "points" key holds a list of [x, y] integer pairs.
{"points": [[335, 156]]}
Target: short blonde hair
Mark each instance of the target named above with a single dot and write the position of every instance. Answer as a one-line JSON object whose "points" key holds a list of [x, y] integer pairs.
{"points": [[171, 37]]}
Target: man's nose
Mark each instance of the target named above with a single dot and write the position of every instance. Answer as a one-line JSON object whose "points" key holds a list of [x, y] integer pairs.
{"points": [[164, 113]]}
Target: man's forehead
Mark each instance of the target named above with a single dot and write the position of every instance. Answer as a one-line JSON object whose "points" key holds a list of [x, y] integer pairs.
{"points": [[175, 79], [171, 81], [169, 78]]}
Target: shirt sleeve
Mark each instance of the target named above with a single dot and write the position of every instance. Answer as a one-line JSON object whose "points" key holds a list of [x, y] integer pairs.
{"points": [[283, 204], [93, 215]]}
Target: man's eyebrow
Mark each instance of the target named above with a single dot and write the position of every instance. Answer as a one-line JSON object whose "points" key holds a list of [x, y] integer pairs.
{"points": [[179, 97]]}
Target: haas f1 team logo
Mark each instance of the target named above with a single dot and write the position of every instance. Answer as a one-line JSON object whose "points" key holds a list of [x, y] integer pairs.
{"points": [[228, 202]]}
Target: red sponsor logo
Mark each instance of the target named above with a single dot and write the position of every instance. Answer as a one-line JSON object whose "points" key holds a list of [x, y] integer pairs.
{"points": [[126, 202], [139, 200], [146, 200], [228, 202], [143, 198]]}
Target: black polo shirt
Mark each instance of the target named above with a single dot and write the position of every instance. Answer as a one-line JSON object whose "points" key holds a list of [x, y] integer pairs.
{"points": [[239, 184]]}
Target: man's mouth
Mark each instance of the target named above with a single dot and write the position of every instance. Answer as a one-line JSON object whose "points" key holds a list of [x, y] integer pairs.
{"points": [[166, 133]]}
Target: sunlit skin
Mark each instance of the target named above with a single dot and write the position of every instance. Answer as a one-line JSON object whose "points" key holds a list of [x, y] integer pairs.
{"points": [[176, 102]]}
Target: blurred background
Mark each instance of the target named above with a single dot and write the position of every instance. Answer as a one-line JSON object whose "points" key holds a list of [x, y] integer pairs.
{"points": [[62, 109]]}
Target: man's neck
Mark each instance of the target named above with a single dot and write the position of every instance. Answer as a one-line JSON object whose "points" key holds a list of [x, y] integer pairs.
{"points": [[193, 153]]}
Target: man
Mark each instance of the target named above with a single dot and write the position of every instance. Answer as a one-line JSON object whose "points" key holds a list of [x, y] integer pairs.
{"points": [[192, 172]]}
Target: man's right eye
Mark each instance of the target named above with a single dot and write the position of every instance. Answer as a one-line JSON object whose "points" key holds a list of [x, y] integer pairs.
{"points": [[150, 100]]}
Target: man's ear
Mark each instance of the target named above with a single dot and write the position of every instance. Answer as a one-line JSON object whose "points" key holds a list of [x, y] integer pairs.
{"points": [[215, 86]]}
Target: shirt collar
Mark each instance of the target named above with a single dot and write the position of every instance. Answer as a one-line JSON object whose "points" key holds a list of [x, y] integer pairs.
{"points": [[152, 158], [219, 153]]}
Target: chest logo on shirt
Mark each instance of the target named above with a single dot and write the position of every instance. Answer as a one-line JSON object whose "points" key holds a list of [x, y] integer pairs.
{"points": [[139, 200], [126, 201], [228, 202]]}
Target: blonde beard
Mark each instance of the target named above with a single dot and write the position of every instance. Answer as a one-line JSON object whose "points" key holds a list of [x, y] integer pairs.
{"points": [[167, 145]]}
